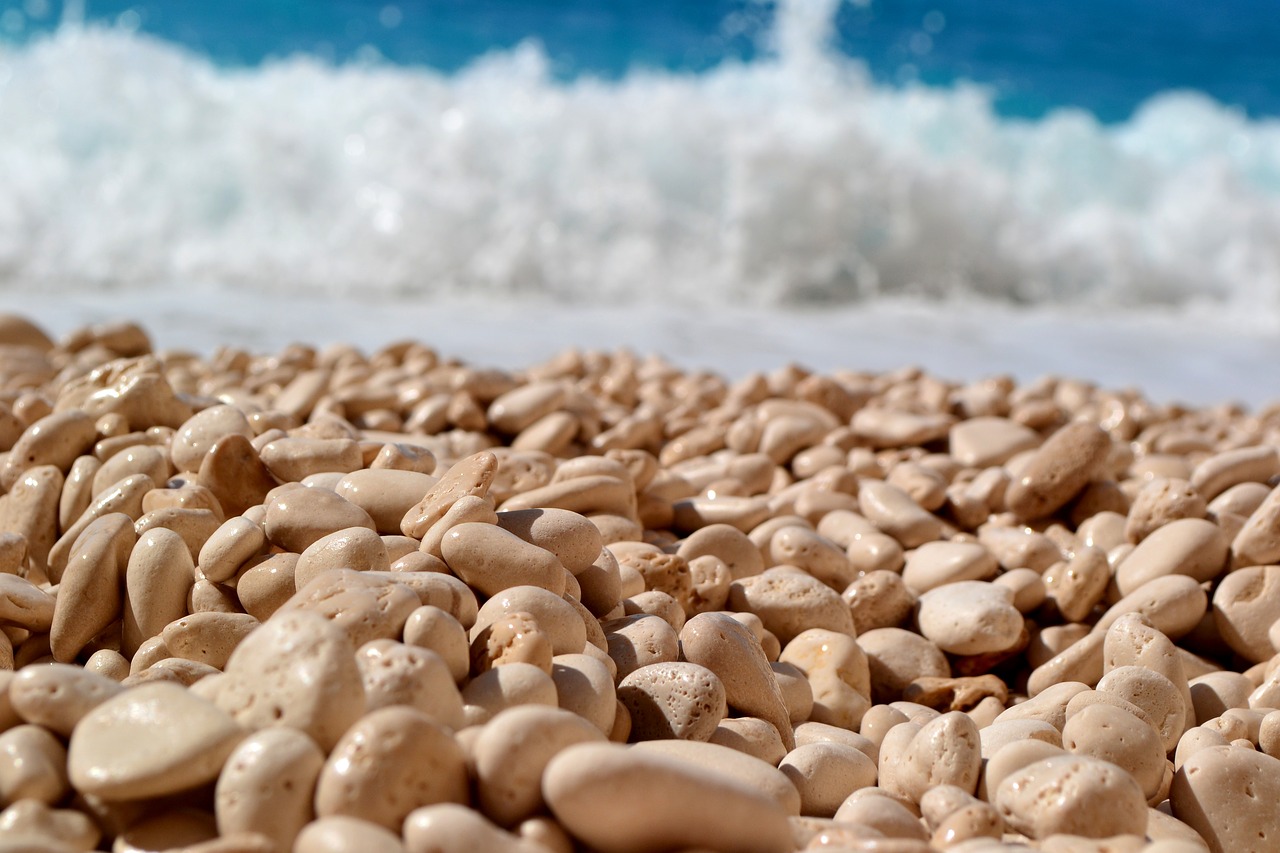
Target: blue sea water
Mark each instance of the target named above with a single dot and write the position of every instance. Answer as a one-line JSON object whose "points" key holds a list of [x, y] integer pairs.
{"points": [[1112, 159]]}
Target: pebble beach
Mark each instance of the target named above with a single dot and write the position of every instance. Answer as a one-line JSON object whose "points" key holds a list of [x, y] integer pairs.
{"points": [[362, 599]]}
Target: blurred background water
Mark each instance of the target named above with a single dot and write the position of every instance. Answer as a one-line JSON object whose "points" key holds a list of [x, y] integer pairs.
{"points": [[1094, 185]]}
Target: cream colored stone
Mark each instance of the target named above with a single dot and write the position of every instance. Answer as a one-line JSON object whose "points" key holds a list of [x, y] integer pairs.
{"points": [[1186, 546], [673, 700], [298, 516], [839, 674], [684, 806], [394, 673], [491, 560], [970, 618], [1228, 795], [790, 602], [1072, 794], [1058, 470], [266, 785], [150, 741]]}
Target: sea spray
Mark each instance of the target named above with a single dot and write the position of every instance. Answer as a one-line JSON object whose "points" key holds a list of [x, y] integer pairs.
{"points": [[127, 162]]}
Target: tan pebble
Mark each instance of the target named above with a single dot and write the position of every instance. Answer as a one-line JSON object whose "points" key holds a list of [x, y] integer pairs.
{"points": [[123, 497], [1187, 546], [1195, 739], [1009, 759], [439, 590], [385, 493], [673, 700], [896, 658], [893, 512], [1215, 692], [1079, 662], [392, 761], [195, 437], [800, 546], [878, 599], [140, 459], [31, 822], [1072, 794], [1245, 606], [468, 508], [184, 829], [297, 516], [571, 537], [815, 732], [342, 834], [986, 441], [1167, 834], [1228, 795], [969, 618], [1230, 467], [451, 828], [1131, 641], [89, 595], [797, 692], [957, 694], [398, 674], [207, 638], [470, 476], [729, 544], [789, 602], [296, 670], [356, 548], [839, 675], [506, 687], [234, 473], [230, 547], [1028, 588], [366, 605], [194, 526], [750, 735], [894, 428], [1078, 585], [1256, 542], [266, 785], [512, 751], [563, 627], [1113, 734], [1156, 695], [514, 637], [1020, 547], [641, 640], [490, 559], [30, 512], [264, 587], [1005, 731], [107, 663], [56, 440], [976, 820], [584, 685], [1161, 501], [685, 806], [936, 564], [149, 741], [151, 652], [729, 649], [1046, 643], [945, 751], [695, 513], [1058, 470], [868, 808], [25, 605], [1241, 499], [291, 460], [825, 774], [432, 628], [1173, 604], [32, 766], [58, 696]]}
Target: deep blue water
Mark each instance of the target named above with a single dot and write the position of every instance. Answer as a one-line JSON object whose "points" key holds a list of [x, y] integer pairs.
{"points": [[1106, 56]]}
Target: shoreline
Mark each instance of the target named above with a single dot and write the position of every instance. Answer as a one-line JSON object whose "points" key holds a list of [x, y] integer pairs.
{"points": [[1169, 356]]}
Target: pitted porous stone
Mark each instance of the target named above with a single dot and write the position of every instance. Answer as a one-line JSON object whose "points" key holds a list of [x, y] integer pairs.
{"points": [[970, 618], [1073, 795], [673, 700]]}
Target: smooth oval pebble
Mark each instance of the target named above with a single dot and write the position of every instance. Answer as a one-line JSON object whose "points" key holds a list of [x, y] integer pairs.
{"points": [[343, 834], [1245, 606], [512, 751], [825, 774], [970, 618], [1112, 734], [150, 741], [734, 765], [1188, 546], [676, 805], [945, 751], [1229, 796], [673, 700], [491, 559], [1058, 470], [385, 493], [33, 766], [1072, 795], [451, 828], [789, 602], [935, 564], [572, 537], [57, 696], [297, 516]]}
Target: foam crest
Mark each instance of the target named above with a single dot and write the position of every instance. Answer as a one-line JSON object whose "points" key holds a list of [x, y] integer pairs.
{"points": [[128, 162]]}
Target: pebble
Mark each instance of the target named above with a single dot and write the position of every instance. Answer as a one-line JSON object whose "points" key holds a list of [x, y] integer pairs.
{"points": [[150, 741], [677, 805], [266, 785], [1228, 795], [673, 700], [970, 618], [1072, 795], [936, 564]]}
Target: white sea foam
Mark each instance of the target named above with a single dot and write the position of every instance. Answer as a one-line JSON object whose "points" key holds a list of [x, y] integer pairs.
{"points": [[126, 162]]}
